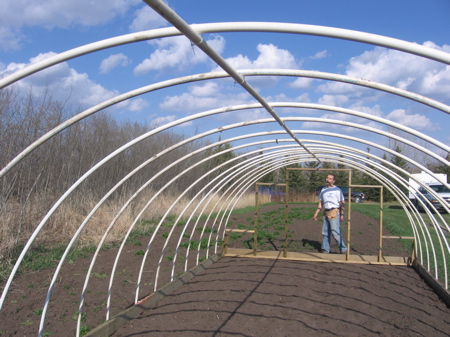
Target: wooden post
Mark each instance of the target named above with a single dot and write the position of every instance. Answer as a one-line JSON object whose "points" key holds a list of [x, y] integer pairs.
{"points": [[413, 252], [349, 215], [380, 251], [286, 214], [255, 227], [225, 243]]}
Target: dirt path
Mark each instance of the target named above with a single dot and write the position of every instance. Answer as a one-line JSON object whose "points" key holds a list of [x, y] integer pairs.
{"points": [[252, 297]]}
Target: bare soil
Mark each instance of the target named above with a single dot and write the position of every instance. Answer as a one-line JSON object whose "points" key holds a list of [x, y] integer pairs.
{"points": [[242, 297], [254, 297]]}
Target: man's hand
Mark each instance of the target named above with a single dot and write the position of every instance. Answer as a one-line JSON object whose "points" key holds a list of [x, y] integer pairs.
{"points": [[319, 208]]}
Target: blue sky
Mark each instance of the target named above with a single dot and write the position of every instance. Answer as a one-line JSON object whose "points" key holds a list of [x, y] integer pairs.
{"points": [[46, 27]]}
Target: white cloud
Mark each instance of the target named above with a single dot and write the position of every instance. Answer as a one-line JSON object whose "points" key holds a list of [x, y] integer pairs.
{"points": [[239, 62], [374, 110], [212, 96], [17, 14], [398, 69], [301, 83], [273, 57], [114, 61], [188, 102], [83, 89], [342, 129], [146, 19], [177, 53], [244, 115], [44, 77], [415, 121], [203, 97], [320, 55], [137, 104], [66, 84], [334, 88], [162, 120], [388, 66], [270, 57], [437, 83], [333, 100], [54, 13], [10, 38], [206, 89], [303, 98]]}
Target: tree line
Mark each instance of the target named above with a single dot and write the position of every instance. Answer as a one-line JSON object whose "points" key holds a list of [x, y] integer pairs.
{"points": [[56, 165], [307, 181], [31, 187]]}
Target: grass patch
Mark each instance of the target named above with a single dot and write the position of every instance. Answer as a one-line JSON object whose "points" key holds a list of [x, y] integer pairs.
{"points": [[83, 316], [271, 224], [43, 256], [396, 221], [193, 244], [394, 218], [27, 322]]}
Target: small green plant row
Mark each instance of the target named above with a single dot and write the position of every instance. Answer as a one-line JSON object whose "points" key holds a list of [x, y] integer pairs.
{"points": [[276, 218], [38, 312], [169, 221], [42, 256], [193, 244]]}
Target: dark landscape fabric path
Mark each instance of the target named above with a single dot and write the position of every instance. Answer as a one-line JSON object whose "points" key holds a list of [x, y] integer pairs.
{"points": [[256, 297]]}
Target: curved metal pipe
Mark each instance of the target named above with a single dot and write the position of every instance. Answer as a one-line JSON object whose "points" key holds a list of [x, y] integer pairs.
{"points": [[106, 159], [405, 184], [84, 177], [153, 178], [222, 27]]}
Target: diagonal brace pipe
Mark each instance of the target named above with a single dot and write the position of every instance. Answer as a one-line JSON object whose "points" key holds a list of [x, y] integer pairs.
{"points": [[166, 12]]}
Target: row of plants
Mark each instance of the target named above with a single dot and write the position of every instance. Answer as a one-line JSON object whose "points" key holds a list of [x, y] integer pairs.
{"points": [[271, 227]]}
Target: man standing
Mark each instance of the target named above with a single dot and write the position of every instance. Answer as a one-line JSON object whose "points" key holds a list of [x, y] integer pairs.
{"points": [[332, 199]]}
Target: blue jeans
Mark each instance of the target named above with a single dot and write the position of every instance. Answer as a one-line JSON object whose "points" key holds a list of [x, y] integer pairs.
{"points": [[332, 227]]}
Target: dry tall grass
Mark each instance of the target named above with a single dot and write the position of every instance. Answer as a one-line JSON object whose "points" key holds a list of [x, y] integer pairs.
{"points": [[18, 222], [303, 197]]}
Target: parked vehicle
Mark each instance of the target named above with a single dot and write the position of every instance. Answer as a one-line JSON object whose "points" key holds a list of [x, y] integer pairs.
{"points": [[357, 196], [426, 179], [275, 194], [440, 189]]}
